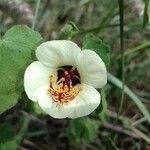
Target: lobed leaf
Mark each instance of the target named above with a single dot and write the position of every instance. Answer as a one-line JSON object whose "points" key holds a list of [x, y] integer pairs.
{"points": [[94, 43], [17, 50], [82, 130], [68, 31]]}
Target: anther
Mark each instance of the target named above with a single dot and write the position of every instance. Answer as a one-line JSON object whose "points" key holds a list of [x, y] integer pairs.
{"points": [[64, 88]]}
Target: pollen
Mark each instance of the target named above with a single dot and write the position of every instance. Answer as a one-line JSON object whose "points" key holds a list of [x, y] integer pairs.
{"points": [[65, 86]]}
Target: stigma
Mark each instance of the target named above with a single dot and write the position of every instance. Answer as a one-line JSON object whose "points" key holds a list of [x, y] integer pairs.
{"points": [[65, 84]]}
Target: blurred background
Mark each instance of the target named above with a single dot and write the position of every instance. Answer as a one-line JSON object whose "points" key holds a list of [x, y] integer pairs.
{"points": [[101, 18]]}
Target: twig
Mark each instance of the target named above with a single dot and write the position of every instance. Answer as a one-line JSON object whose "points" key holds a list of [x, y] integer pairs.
{"points": [[129, 126], [139, 121], [29, 143], [120, 130], [141, 134], [34, 118], [121, 118], [36, 133], [24, 128], [25, 124]]}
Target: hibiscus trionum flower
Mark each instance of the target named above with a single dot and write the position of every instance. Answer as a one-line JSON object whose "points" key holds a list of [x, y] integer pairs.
{"points": [[65, 79]]}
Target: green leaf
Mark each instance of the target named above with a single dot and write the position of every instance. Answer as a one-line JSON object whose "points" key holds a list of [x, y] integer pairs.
{"points": [[17, 50], [68, 31], [146, 15], [94, 43], [103, 105], [82, 130], [7, 137]]}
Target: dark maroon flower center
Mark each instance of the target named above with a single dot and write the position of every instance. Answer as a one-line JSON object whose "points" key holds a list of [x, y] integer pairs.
{"points": [[70, 75], [66, 85]]}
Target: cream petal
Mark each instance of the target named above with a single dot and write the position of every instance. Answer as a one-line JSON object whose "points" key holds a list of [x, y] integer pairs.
{"points": [[91, 68], [49, 106], [57, 53], [36, 75], [85, 102]]}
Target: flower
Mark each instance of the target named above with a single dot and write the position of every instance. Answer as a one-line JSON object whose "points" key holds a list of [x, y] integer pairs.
{"points": [[64, 80]]}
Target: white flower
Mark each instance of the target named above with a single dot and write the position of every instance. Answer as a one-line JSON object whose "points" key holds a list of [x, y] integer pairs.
{"points": [[64, 79]]}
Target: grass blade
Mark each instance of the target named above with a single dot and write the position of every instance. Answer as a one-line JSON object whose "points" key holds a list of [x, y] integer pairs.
{"points": [[112, 79]]}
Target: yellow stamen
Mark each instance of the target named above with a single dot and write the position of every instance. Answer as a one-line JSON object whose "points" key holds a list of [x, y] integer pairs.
{"points": [[62, 92]]}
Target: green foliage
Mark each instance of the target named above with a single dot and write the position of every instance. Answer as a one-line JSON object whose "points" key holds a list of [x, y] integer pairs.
{"points": [[94, 43], [16, 53], [146, 15], [34, 107], [110, 144], [7, 137], [82, 130], [68, 31]]}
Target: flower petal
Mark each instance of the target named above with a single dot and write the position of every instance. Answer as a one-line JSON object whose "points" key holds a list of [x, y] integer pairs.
{"points": [[49, 106], [36, 75], [57, 53], [91, 68], [85, 103]]}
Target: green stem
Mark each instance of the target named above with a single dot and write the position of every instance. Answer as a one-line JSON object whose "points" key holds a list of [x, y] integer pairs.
{"points": [[112, 79], [36, 13], [121, 14], [127, 123], [135, 49], [104, 21], [139, 121], [140, 134], [146, 13]]}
